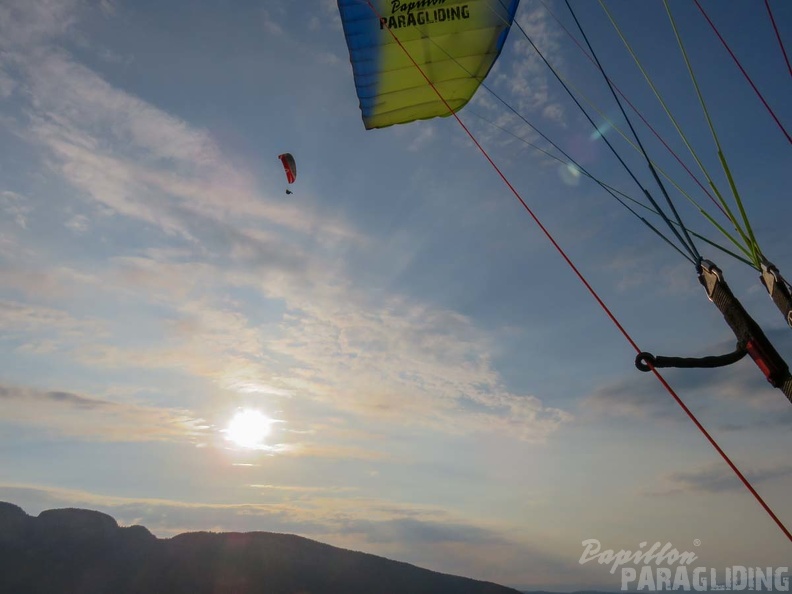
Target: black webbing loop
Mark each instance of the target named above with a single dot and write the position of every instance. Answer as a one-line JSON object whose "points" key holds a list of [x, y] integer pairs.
{"points": [[646, 361], [779, 290], [746, 329]]}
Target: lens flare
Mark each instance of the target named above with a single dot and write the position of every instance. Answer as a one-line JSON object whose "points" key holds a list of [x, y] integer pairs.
{"points": [[569, 174]]}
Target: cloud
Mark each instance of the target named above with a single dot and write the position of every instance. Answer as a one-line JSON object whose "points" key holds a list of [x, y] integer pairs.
{"points": [[298, 489], [635, 395], [328, 341], [270, 25], [21, 273], [377, 520], [150, 166], [108, 7], [635, 270], [400, 360], [332, 341], [74, 97], [28, 323], [95, 419], [781, 419], [24, 23], [79, 224], [718, 478], [7, 84], [328, 451], [16, 206], [393, 362], [424, 137], [516, 96], [527, 79]]}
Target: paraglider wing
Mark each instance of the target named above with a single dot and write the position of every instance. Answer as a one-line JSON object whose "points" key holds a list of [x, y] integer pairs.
{"points": [[289, 166], [453, 42]]}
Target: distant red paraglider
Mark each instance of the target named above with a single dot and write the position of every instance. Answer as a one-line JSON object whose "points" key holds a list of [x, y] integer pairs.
{"points": [[290, 167]]}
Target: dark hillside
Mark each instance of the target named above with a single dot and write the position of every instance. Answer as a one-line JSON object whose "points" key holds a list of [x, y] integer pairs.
{"points": [[74, 550]]}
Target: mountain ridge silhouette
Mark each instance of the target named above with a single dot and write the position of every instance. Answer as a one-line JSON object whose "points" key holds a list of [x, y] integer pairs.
{"points": [[87, 552]]}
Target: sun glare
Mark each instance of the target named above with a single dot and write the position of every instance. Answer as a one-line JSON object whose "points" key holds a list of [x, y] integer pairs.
{"points": [[249, 428]]}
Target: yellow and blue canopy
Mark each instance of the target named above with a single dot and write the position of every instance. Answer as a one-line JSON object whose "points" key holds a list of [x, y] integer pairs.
{"points": [[406, 55]]}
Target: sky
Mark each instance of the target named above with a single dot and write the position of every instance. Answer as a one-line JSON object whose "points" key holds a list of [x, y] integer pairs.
{"points": [[437, 386]]}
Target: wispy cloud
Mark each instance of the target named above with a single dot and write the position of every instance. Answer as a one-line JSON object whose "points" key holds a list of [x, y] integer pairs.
{"points": [[318, 514], [422, 139], [528, 80], [402, 360], [299, 490], [718, 478], [7, 84], [26, 23], [140, 162], [391, 359], [96, 419], [782, 418], [16, 206], [109, 7], [524, 86], [30, 324], [269, 23]]}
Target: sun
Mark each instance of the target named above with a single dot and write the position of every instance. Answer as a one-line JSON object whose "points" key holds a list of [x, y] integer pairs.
{"points": [[249, 428]]}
